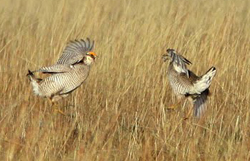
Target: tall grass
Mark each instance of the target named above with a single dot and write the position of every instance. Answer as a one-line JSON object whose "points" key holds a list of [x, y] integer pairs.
{"points": [[120, 113]]}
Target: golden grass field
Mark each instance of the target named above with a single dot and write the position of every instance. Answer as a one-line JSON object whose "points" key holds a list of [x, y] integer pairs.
{"points": [[120, 112]]}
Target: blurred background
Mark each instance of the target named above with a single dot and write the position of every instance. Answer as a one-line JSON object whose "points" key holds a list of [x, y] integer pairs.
{"points": [[120, 111]]}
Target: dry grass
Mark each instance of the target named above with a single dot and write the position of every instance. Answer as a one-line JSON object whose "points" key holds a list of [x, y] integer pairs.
{"points": [[120, 113]]}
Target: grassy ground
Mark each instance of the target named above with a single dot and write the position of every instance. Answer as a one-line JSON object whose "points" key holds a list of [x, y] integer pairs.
{"points": [[120, 113]]}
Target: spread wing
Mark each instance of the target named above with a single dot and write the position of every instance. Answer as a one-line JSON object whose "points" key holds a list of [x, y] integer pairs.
{"points": [[57, 68], [179, 62], [200, 103], [75, 51]]}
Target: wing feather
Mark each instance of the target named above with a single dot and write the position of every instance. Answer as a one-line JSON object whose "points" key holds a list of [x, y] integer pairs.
{"points": [[75, 51], [57, 68], [200, 105], [179, 62]]}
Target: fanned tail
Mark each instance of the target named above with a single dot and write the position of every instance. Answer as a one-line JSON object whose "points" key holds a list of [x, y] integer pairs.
{"points": [[205, 81]]}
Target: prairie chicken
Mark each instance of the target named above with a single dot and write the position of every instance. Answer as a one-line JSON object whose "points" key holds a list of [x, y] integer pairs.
{"points": [[185, 83], [70, 71]]}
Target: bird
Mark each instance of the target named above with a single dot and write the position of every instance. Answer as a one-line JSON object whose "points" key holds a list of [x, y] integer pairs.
{"points": [[67, 74], [186, 84]]}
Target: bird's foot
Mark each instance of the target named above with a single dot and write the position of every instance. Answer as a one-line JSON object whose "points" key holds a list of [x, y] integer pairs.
{"points": [[56, 110], [188, 114], [173, 107]]}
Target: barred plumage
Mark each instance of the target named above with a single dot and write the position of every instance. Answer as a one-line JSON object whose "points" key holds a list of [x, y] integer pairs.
{"points": [[185, 83], [70, 72], [75, 50]]}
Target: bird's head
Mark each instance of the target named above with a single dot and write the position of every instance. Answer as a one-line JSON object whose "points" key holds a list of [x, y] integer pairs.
{"points": [[168, 55], [89, 58]]}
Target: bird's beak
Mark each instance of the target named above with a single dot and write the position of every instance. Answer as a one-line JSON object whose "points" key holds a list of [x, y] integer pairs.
{"points": [[165, 57]]}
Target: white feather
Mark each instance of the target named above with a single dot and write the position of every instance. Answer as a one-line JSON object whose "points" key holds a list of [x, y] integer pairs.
{"points": [[205, 81], [35, 86], [88, 60]]}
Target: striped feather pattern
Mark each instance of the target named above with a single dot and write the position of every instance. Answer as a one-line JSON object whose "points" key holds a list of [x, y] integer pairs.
{"points": [[75, 51], [70, 71], [57, 68], [63, 83], [179, 62], [185, 83], [178, 84]]}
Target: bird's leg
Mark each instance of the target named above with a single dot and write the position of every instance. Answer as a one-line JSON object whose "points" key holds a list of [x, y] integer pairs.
{"points": [[190, 108], [176, 105], [54, 104], [59, 111], [188, 114]]}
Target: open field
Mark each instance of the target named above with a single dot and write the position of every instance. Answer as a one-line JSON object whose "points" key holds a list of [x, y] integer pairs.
{"points": [[120, 113]]}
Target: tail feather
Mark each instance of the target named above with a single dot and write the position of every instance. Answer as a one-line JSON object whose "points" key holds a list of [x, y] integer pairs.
{"points": [[205, 81], [34, 82], [32, 77], [30, 74]]}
